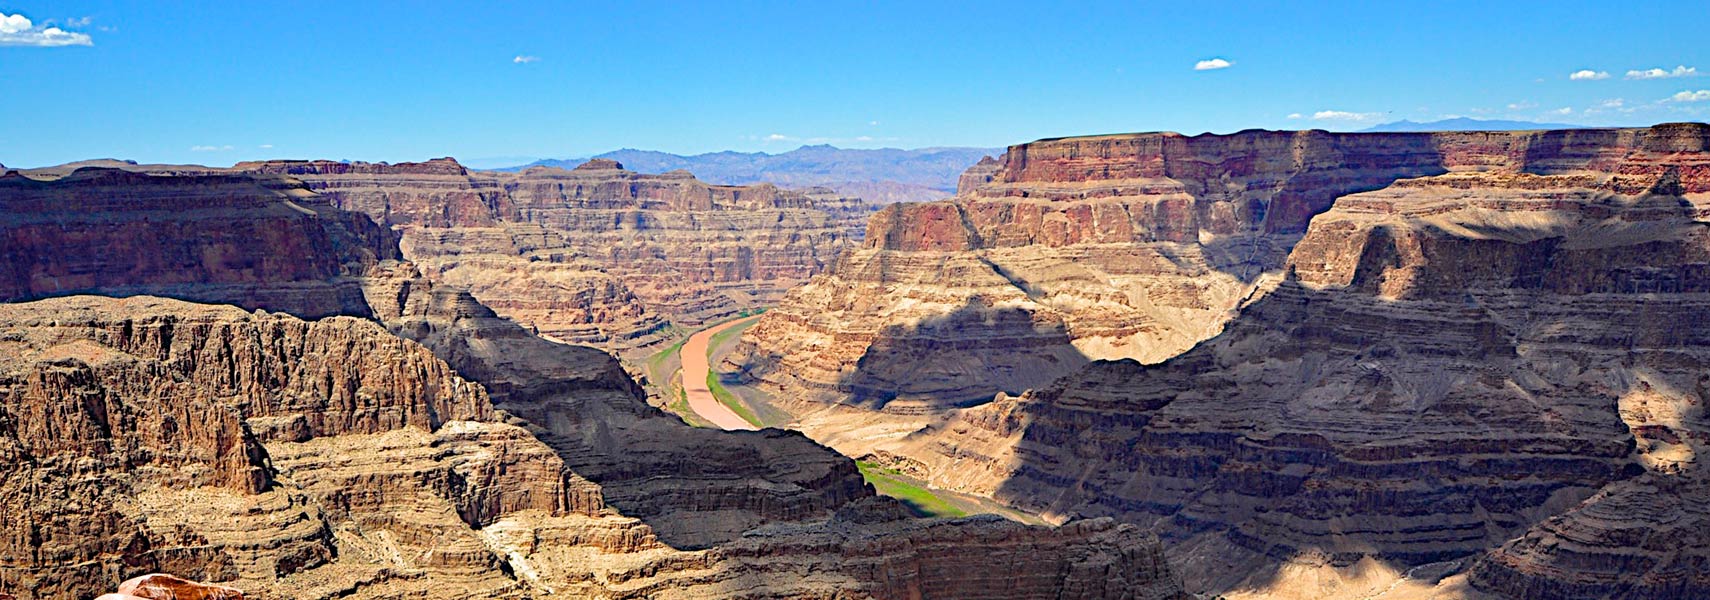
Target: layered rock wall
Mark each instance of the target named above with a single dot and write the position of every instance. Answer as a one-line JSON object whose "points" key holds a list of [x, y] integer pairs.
{"points": [[1131, 246], [1497, 371], [255, 242], [570, 252]]}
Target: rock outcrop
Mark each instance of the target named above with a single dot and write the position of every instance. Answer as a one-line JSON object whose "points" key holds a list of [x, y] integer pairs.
{"points": [[431, 450], [295, 459], [1498, 371], [596, 254], [257, 242], [1100, 248]]}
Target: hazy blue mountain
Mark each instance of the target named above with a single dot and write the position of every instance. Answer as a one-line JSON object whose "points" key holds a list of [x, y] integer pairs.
{"points": [[878, 175], [1466, 124]]}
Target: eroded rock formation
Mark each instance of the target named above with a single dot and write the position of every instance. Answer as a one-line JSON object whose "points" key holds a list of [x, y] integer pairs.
{"points": [[257, 242], [340, 459], [1130, 246], [1496, 371], [596, 254], [333, 459]]}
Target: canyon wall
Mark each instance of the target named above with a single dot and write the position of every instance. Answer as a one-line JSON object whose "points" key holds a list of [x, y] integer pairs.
{"points": [[427, 447], [1494, 377], [596, 254], [254, 242], [1077, 249]]}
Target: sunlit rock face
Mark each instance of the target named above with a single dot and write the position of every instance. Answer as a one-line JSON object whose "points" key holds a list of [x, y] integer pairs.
{"points": [[597, 254], [331, 458], [1499, 370], [1129, 246], [409, 441], [254, 242]]}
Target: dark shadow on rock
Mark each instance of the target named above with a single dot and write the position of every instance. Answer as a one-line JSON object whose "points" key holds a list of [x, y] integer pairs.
{"points": [[962, 358], [1345, 423]]}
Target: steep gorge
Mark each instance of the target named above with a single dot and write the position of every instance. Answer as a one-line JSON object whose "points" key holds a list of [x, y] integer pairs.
{"points": [[1492, 375], [423, 447]]}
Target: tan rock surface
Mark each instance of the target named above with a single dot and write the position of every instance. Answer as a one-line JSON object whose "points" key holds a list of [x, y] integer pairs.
{"points": [[1500, 357], [597, 254], [1128, 246], [1502, 362], [332, 459], [292, 459]]}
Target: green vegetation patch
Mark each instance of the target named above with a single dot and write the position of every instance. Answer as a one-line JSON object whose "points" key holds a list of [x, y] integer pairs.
{"points": [[919, 499], [728, 399]]}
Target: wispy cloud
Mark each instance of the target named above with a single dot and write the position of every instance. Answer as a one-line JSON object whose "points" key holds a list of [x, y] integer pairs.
{"points": [[1612, 103], [226, 148], [79, 21], [1563, 111], [1212, 64], [523, 59], [1679, 71], [779, 137], [1689, 96], [265, 146], [1294, 115], [1588, 75], [1343, 115], [18, 30], [1522, 105]]}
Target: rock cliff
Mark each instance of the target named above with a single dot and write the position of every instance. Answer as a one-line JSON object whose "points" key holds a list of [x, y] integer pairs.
{"points": [[295, 459], [597, 254], [432, 449], [1494, 374], [257, 242], [1128, 246]]}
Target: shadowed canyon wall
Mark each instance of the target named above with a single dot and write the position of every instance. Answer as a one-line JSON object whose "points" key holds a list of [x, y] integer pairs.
{"points": [[1492, 372], [423, 447]]}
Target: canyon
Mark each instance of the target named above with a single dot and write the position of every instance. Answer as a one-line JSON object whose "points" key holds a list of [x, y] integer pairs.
{"points": [[881, 176], [1454, 365], [169, 409]]}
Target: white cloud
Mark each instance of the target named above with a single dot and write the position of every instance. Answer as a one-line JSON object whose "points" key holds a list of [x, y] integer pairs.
{"points": [[1588, 75], [1679, 71], [265, 146], [779, 137], [79, 22], [1342, 115], [211, 148], [18, 30], [1612, 103], [1562, 111], [1212, 64], [1294, 115], [1698, 96], [864, 138], [873, 123], [523, 59], [1523, 105]]}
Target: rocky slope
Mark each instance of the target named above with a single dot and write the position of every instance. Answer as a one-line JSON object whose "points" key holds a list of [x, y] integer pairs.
{"points": [[1076, 249], [325, 459], [881, 176], [596, 254], [1496, 372], [255, 242], [338, 458]]}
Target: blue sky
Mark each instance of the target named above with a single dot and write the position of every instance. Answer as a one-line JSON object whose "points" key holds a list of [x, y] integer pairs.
{"points": [[217, 82]]}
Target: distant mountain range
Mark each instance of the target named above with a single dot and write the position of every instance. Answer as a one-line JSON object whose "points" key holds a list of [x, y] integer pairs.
{"points": [[881, 175], [1466, 124]]}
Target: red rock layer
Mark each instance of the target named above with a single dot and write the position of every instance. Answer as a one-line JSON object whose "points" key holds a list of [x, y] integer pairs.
{"points": [[689, 251], [1129, 246], [1503, 362], [258, 243], [332, 459]]}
